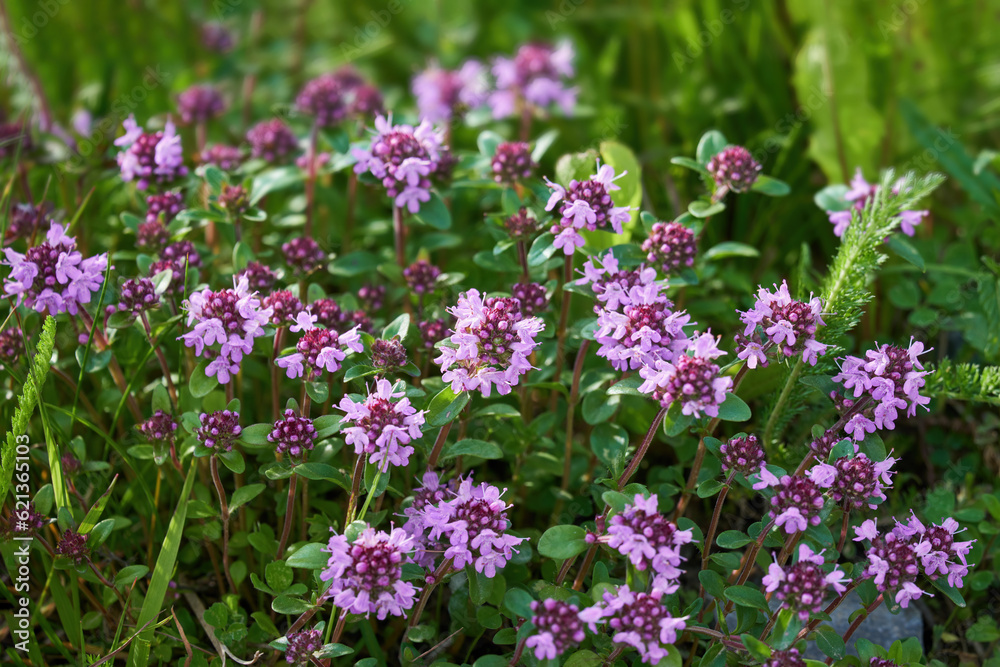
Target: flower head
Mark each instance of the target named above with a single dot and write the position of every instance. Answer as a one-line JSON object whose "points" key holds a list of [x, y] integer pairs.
{"points": [[366, 576], [445, 94], [26, 220], [670, 246], [136, 296], [319, 350], [147, 158], [613, 285], [73, 546], [521, 226], [650, 541], [164, 207], [303, 255], [53, 276], [302, 645], [796, 504], [694, 379], [219, 430], [586, 205], [802, 587], [536, 76], [11, 346], [260, 277], [293, 434], [383, 425], [778, 321], [272, 140], [638, 620], [388, 356], [854, 480], [744, 455], [284, 307], [787, 658], [324, 98], [491, 342], [557, 628], [403, 158], [512, 162], [152, 236], [733, 169], [861, 192], [159, 429], [421, 276], [432, 332], [531, 296], [199, 104], [643, 331], [372, 297]]}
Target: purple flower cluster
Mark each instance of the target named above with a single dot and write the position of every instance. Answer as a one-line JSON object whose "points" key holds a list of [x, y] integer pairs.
{"points": [[199, 104], [796, 503], [421, 276], [302, 645], [432, 332], [733, 169], [890, 379], [858, 196], [372, 297], [403, 158], [445, 94], [854, 481], [324, 99], [222, 156], [24, 521], [152, 236], [521, 226], [802, 587], [229, 318], [787, 325], [26, 220], [693, 378], [293, 434], [272, 140], [490, 344], [531, 296], [471, 526], [11, 346], [148, 158], [586, 205], [284, 307], [637, 619], [650, 541], [366, 576], [512, 162], [743, 455], [611, 284], [671, 246], [383, 425], [642, 331], [388, 356], [164, 207], [159, 429], [534, 76], [303, 255], [219, 430], [260, 277], [73, 546], [896, 557], [318, 350], [557, 628], [53, 276], [137, 296], [234, 198]]}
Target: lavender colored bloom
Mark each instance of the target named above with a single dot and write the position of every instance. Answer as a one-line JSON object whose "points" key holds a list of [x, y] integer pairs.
{"points": [[330, 315], [226, 158], [388, 356], [303, 255], [557, 628], [586, 205], [199, 104], [183, 253], [860, 193], [164, 207], [889, 380], [733, 169], [136, 296], [421, 276], [24, 521], [148, 158], [234, 199], [260, 277], [432, 332], [671, 246], [650, 541], [159, 429], [26, 220], [881, 662], [216, 37], [743, 455], [372, 297], [219, 430], [302, 646], [473, 524], [11, 346], [178, 277], [272, 140], [693, 379], [284, 307], [73, 546], [431, 493], [854, 481], [521, 226], [532, 297], [152, 236], [445, 94], [231, 319], [787, 325], [638, 620], [384, 425], [612, 285], [490, 344], [324, 99], [823, 445], [293, 435], [802, 587], [366, 576], [512, 162], [796, 504], [54, 277], [787, 658], [535, 76], [403, 158], [319, 350], [644, 331]]}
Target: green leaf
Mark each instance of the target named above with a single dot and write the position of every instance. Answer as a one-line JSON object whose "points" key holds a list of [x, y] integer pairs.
{"points": [[541, 249], [902, 247], [398, 327], [518, 602], [256, 435], [129, 574], [833, 198], [730, 249], [609, 442], [710, 144], [746, 596], [627, 387], [542, 144], [578, 166], [950, 592], [278, 575], [323, 471], [245, 494], [771, 187], [96, 510], [733, 409], [586, 658], [471, 447], [286, 604], [733, 539], [334, 651], [355, 263], [562, 542], [713, 582], [757, 648], [700, 208], [830, 642], [446, 406], [623, 160], [689, 163], [435, 213], [201, 384], [487, 142], [233, 460], [273, 180], [310, 557]]}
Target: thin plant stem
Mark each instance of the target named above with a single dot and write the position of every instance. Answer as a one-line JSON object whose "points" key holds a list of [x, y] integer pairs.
{"points": [[399, 231], [710, 535], [224, 513], [561, 332], [289, 511], [352, 503], [438, 575], [371, 494], [438, 445], [843, 530], [574, 398]]}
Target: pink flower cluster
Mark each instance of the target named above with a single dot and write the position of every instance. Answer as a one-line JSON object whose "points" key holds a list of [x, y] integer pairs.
{"points": [[586, 205], [403, 158], [643, 331], [445, 94], [650, 541], [858, 196], [318, 349], [802, 587], [150, 158], [637, 619], [384, 425], [787, 325], [534, 76], [693, 378]]}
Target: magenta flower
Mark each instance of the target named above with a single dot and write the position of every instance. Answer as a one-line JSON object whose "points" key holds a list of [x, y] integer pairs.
{"points": [[152, 236], [512, 162], [302, 646], [787, 325], [318, 349], [531, 296], [535, 76], [671, 246], [802, 587], [54, 277], [226, 158], [733, 169], [259, 276], [136, 296], [384, 425], [272, 140], [403, 158], [26, 220], [743, 455], [324, 98], [421, 276], [225, 324], [293, 434], [366, 576], [557, 628], [199, 104], [858, 196], [159, 429], [854, 481], [586, 205], [303, 255], [645, 332], [490, 344], [219, 430], [796, 504], [150, 157], [638, 620], [650, 541], [167, 205], [284, 306], [431, 493], [612, 284], [11, 347], [693, 379], [445, 94]]}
